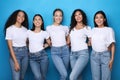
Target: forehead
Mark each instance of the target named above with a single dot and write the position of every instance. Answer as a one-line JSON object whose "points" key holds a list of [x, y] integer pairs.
{"points": [[99, 14], [78, 12], [38, 17], [20, 13], [58, 12]]}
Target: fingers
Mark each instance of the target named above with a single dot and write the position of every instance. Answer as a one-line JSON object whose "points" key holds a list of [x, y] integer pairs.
{"points": [[110, 65], [17, 67]]}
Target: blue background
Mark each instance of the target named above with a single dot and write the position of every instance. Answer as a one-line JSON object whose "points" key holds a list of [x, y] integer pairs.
{"points": [[45, 8]]}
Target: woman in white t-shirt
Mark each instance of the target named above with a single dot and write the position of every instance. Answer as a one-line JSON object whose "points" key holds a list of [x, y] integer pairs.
{"points": [[102, 40], [79, 32], [59, 48], [16, 36], [38, 57]]}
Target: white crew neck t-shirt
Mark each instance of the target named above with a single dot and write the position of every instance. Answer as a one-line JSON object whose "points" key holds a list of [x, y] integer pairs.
{"points": [[36, 40], [58, 35], [102, 38], [17, 35], [78, 38]]}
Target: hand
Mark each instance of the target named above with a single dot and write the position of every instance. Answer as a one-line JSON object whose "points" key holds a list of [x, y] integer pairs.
{"points": [[16, 66], [110, 64], [45, 45]]}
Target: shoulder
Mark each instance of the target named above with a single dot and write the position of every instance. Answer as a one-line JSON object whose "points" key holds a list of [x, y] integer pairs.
{"points": [[24, 28], [10, 27], [87, 28], [64, 26], [28, 31], [108, 29], [49, 26]]}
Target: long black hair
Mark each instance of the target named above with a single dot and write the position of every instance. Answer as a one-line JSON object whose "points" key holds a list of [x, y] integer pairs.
{"points": [[73, 21], [105, 22], [42, 26], [13, 17]]}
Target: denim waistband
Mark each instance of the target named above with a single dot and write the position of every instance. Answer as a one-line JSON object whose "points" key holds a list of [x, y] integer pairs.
{"points": [[20, 48], [80, 50], [37, 52], [59, 46], [100, 52]]}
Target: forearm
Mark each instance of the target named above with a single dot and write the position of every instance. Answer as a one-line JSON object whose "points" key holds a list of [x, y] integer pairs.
{"points": [[112, 51], [68, 40], [11, 51]]}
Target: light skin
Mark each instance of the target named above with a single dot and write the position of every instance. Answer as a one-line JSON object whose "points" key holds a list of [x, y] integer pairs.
{"points": [[57, 18], [20, 19], [99, 19], [79, 25], [38, 23], [79, 18]]}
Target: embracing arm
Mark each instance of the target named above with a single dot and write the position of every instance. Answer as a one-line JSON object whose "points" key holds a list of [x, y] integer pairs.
{"points": [[48, 43], [68, 40]]}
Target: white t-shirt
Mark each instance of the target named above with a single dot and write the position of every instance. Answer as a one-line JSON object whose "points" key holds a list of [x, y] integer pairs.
{"points": [[17, 35], [58, 34], [101, 38], [78, 38], [36, 40]]}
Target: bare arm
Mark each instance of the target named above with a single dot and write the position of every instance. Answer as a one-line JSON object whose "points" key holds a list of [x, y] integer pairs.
{"points": [[68, 40], [112, 50], [89, 42], [16, 65], [48, 43]]}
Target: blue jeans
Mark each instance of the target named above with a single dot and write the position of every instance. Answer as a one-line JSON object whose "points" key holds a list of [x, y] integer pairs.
{"points": [[60, 57], [78, 61], [39, 64], [21, 54], [100, 65]]}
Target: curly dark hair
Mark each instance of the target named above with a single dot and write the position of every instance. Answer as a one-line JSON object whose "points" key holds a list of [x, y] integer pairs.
{"points": [[12, 19], [73, 21]]}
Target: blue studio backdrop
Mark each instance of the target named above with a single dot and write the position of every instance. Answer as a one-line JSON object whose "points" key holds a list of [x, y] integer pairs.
{"points": [[45, 8]]}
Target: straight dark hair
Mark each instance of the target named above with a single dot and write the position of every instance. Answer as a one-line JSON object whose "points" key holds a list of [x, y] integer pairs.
{"points": [[105, 22], [42, 26]]}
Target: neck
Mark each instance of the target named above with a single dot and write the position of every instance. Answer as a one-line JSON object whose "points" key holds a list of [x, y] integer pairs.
{"points": [[56, 24], [79, 25], [100, 26], [18, 25], [37, 30]]}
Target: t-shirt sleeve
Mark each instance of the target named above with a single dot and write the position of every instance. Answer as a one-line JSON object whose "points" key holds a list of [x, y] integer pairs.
{"points": [[28, 31], [46, 35], [88, 32], [8, 34], [111, 37], [66, 30], [47, 29]]}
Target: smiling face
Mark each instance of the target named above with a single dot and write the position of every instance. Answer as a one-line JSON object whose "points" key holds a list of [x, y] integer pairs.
{"points": [[20, 17], [37, 21], [99, 20], [78, 17], [58, 17]]}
